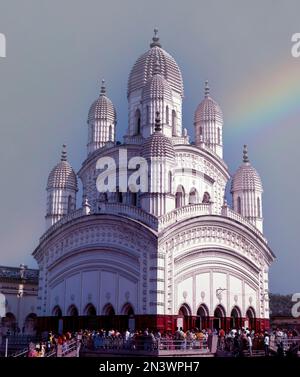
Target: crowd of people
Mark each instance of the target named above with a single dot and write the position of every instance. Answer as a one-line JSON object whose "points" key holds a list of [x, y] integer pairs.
{"points": [[236, 342]]}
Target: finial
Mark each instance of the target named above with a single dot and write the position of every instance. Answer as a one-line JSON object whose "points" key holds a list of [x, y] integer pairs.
{"points": [[157, 122], [155, 40], [156, 69], [64, 153], [245, 154], [103, 88], [206, 89]]}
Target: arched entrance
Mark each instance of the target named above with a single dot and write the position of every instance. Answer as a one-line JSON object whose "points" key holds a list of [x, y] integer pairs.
{"points": [[202, 321], [235, 318], [129, 320], [180, 197], [184, 317], [108, 312], [219, 318], [251, 318], [72, 311], [90, 310], [57, 312]]}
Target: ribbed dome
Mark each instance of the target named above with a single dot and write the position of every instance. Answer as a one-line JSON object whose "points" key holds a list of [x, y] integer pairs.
{"points": [[62, 175], [208, 109], [246, 177], [157, 144], [102, 108], [144, 68], [157, 87]]}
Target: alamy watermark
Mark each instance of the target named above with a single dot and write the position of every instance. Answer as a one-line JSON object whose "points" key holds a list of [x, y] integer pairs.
{"points": [[296, 306], [123, 176], [295, 51], [2, 45]]}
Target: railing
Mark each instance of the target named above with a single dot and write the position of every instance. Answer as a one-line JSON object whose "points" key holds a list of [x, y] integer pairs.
{"points": [[22, 353], [182, 213], [73, 215], [228, 212], [129, 211], [70, 349], [145, 343], [286, 343], [180, 140], [137, 139]]}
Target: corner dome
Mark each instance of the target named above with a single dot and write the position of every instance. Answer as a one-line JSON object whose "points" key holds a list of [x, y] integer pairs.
{"points": [[62, 176], [208, 109], [157, 144], [157, 87], [246, 177], [144, 68], [102, 108]]}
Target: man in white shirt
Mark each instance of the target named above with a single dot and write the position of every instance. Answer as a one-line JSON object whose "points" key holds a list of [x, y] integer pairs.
{"points": [[267, 343]]}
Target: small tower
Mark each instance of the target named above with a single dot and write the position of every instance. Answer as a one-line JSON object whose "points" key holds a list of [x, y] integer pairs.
{"points": [[61, 190], [159, 152], [209, 124], [102, 122], [246, 190]]}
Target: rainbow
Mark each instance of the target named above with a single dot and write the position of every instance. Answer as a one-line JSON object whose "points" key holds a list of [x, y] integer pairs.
{"points": [[266, 102]]}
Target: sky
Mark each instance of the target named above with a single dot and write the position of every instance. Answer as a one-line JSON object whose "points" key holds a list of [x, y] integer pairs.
{"points": [[58, 52]]}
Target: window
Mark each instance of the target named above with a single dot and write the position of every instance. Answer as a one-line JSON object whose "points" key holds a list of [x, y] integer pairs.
{"points": [[174, 123], [137, 122], [219, 136], [167, 114], [258, 207], [180, 197], [69, 203], [239, 205], [170, 181], [206, 197], [110, 135]]}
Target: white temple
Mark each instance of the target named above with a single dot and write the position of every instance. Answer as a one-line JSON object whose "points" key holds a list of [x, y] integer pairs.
{"points": [[172, 255]]}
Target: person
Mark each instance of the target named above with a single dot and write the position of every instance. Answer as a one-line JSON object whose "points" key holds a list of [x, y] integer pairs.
{"points": [[280, 350], [250, 344], [266, 343]]}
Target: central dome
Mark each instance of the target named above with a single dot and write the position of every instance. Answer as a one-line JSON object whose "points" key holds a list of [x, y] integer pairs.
{"points": [[144, 68]]}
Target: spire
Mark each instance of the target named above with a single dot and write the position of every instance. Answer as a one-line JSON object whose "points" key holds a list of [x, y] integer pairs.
{"points": [[156, 69], [245, 154], [64, 153], [155, 40], [103, 88], [157, 122], [206, 89]]}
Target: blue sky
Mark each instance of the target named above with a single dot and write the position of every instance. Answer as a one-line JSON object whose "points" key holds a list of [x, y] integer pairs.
{"points": [[57, 54]]}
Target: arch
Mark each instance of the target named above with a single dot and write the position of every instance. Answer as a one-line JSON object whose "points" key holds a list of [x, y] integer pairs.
{"points": [[30, 323], [127, 309], [180, 197], [69, 203], [219, 318], [167, 114], [184, 310], [108, 309], [251, 317], [235, 317], [137, 122], [174, 121], [239, 205], [90, 310], [258, 207], [202, 320], [56, 311], [206, 197], [72, 311], [193, 196]]}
